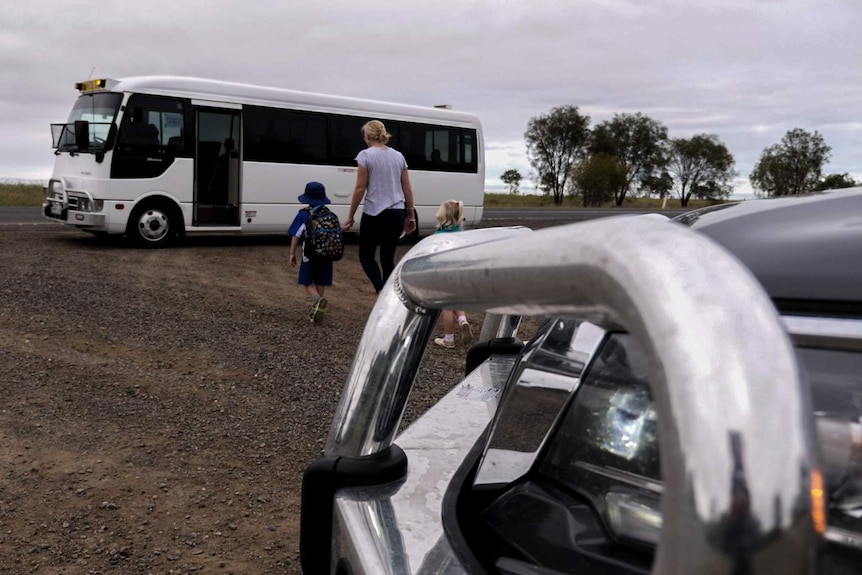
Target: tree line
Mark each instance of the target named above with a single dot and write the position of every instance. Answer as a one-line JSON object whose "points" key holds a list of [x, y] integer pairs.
{"points": [[632, 154]]}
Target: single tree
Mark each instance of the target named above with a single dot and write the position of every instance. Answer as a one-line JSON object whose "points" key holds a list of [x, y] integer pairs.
{"points": [[638, 141], [836, 182], [791, 167], [512, 178], [659, 184], [555, 141], [597, 177], [701, 166], [770, 174]]}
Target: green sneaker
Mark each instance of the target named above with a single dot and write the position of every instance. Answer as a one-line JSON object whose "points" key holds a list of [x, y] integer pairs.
{"points": [[318, 310]]}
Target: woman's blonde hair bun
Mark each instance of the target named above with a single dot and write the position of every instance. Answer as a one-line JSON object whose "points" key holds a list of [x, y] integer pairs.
{"points": [[376, 131]]}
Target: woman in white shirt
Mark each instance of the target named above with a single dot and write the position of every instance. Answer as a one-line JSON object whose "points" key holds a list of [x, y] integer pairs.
{"points": [[383, 181]]}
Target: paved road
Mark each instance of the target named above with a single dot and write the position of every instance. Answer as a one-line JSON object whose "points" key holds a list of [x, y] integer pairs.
{"points": [[531, 217], [23, 217], [545, 217]]}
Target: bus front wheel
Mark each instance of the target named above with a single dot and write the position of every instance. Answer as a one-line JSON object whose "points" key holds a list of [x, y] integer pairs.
{"points": [[153, 225]]}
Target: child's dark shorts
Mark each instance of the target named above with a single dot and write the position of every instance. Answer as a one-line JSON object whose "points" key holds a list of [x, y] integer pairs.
{"points": [[318, 273]]}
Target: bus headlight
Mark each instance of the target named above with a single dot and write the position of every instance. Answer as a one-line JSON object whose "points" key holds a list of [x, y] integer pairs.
{"points": [[87, 204], [56, 189]]}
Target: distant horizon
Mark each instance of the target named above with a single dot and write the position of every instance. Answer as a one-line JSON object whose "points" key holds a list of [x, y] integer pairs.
{"points": [[744, 71], [493, 188]]}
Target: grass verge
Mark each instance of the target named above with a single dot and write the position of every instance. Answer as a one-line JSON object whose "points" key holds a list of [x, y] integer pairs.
{"points": [[26, 195], [542, 201]]}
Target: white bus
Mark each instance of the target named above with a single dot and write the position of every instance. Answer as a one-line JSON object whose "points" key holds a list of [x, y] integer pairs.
{"points": [[159, 157]]}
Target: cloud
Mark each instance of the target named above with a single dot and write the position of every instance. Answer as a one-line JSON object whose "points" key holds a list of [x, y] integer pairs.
{"points": [[745, 70]]}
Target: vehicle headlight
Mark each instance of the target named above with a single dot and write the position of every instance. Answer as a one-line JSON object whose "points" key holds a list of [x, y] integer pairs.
{"points": [[637, 515], [86, 204], [572, 459], [56, 189], [606, 447], [634, 516]]}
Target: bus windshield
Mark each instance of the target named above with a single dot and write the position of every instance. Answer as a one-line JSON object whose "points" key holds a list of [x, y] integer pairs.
{"points": [[93, 115]]}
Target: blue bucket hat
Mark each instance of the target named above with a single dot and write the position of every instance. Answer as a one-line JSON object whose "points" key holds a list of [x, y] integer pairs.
{"points": [[315, 195]]}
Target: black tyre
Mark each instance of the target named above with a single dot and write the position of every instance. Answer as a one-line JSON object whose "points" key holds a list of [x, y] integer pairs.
{"points": [[154, 225]]}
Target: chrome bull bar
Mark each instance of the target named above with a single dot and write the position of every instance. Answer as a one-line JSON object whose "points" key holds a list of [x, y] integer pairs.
{"points": [[736, 434]]}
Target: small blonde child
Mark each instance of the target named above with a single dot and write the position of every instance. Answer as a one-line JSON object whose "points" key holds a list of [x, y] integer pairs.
{"points": [[450, 216]]}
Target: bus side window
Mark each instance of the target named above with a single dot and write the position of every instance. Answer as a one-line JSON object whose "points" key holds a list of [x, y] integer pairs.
{"points": [[175, 145], [151, 136], [153, 126], [345, 137], [135, 135]]}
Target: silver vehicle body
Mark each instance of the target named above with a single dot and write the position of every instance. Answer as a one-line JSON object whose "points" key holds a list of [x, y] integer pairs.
{"points": [[697, 312]]}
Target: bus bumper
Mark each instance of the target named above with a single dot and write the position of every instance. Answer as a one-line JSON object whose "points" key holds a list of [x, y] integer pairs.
{"points": [[90, 220], [95, 221]]}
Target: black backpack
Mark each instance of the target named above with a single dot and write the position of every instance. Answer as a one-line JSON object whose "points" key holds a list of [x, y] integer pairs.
{"points": [[323, 239]]}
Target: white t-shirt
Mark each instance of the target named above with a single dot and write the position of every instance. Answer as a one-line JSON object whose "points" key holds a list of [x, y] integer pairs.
{"points": [[384, 166]]}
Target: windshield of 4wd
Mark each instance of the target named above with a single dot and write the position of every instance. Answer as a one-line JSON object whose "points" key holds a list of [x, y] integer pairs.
{"points": [[99, 112]]}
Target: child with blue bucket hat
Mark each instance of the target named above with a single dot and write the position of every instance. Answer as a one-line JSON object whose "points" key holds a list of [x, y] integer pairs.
{"points": [[314, 275]]}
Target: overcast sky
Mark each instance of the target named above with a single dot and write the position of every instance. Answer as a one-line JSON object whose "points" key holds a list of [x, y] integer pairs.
{"points": [[745, 70]]}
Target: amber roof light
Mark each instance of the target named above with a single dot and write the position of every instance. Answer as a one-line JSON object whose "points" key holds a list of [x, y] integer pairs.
{"points": [[91, 85]]}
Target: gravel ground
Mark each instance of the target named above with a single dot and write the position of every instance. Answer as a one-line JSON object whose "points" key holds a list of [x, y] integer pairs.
{"points": [[159, 407]]}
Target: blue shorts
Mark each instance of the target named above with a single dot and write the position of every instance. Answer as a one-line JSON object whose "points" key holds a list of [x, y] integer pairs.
{"points": [[315, 272]]}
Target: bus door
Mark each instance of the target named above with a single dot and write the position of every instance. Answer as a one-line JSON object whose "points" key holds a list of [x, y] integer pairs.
{"points": [[217, 167]]}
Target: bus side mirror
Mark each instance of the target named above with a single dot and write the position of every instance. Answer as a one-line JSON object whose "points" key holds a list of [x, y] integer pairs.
{"points": [[82, 134]]}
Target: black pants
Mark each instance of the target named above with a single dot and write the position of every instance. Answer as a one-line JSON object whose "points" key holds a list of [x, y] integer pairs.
{"points": [[382, 230]]}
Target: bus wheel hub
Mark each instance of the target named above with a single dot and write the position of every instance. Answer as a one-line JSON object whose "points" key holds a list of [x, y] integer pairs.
{"points": [[153, 225]]}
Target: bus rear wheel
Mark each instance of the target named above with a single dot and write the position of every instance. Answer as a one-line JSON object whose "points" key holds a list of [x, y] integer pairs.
{"points": [[152, 226]]}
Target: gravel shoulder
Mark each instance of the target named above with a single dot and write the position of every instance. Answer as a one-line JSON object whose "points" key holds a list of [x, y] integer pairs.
{"points": [[159, 407]]}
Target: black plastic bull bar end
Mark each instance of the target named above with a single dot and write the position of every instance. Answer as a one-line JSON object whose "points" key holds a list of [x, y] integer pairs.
{"points": [[321, 480]]}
